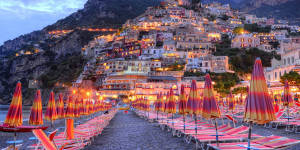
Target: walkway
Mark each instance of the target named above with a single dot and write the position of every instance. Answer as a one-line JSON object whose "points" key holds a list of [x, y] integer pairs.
{"points": [[129, 132]]}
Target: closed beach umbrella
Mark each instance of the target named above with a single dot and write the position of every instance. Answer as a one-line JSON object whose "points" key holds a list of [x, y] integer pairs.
{"points": [[259, 108], [36, 114], [70, 108], [14, 115], [171, 107], [182, 104], [60, 107], [193, 103], [210, 108], [51, 113], [287, 98], [77, 108], [231, 102]]}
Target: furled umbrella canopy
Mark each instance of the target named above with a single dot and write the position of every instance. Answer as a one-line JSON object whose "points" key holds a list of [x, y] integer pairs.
{"points": [[36, 114], [259, 108], [51, 113], [231, 102], [77, 108], [193, 100], [14, 116], [166, 102], [60, 107], [182, 101], [287, 99], [70, 108], [210, 108], [171, 107]]}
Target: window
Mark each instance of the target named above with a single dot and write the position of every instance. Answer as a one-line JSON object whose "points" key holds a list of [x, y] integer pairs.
{"points": [[293, 60], [284, 61], [275, 75], [289, 61]]}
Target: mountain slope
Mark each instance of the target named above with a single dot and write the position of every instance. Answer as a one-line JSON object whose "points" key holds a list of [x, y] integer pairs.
{"points": [[60, 52]]}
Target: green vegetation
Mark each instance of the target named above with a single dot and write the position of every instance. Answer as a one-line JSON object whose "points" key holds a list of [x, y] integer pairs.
{"points": [[223, 81], [224, 17], [242, 60], [176, 67], [256, 28], [239, 90], [238, 30], [65, 72], [211, 17], [292, 77]]}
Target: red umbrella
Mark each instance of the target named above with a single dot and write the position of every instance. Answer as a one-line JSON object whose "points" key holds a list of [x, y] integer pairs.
{"points": [[51, 113], [287, 98], [182, 104], [36, 114], [259, 108], [77, 108], [193, 103], [231, 103], [60, 107]]}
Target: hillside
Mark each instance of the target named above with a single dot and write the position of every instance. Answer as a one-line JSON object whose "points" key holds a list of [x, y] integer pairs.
{"points": [[58, 51]]}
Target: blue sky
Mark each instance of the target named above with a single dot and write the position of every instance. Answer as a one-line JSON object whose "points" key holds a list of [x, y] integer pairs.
{"points": [[19, 17]]}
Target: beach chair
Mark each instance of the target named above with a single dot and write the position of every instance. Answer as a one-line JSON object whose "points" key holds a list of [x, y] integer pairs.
{"points": [[13, 147], [39, 144], [43, 139]]}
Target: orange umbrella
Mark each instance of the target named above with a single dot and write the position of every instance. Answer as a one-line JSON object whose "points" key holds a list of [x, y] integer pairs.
{"points": [[166, 102], [259, 108], [60, 107], [70, 108], [36, 114], [193, 102], [182, 104], [51, 113], [287, 98], [14, 115], [77, 108], [81, 107]]}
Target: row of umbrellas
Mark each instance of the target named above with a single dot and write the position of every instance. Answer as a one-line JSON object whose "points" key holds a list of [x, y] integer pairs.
{"points": [[75, 108], [259, 107]]}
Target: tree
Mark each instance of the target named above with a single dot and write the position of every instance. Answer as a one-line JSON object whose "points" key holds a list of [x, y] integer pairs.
{"points": [[238, 30], [224, 82], [256, 28], [292, 77], [274, 44], [239, 90]]}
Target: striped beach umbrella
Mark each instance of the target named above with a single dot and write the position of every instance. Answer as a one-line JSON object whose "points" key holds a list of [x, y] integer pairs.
{"points": [[77, 108], [70, 108], [14, 116], [60, 107], [287, 99], [193, 103], [166, 102], [36, 114], [231, 102], [51, 113], [182, 104], [259, 108], [210, 109], [171, 107]]}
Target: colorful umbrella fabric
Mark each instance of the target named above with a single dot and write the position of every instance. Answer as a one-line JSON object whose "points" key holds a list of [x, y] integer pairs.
{"points": [[70, 108], [171, 104], [77, 108], [287, 99], [14, 115], [259, 108], [193, 106], [51, 113], [36, 114], [210, 108], [182, 101], [231, 102], [60, 107]]}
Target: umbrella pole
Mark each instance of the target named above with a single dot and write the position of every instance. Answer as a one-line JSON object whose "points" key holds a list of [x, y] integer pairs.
{"points": [[217, 136], [184, 123], [249, 135], [196, 124], [172, 120], [156, 115], [15, 139], [288, 112]]}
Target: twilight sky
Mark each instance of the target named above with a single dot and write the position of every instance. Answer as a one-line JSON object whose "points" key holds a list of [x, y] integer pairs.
{"points": [[19, 17]]}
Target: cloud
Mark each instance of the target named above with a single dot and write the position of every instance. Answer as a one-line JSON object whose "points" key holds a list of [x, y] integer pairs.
{"points": [[23, 8]]}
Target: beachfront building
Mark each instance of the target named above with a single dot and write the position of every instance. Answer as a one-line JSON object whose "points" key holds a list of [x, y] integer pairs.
{"points": [[245, 41]]}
